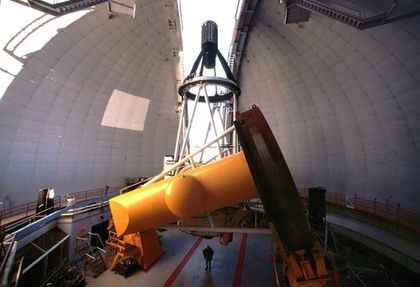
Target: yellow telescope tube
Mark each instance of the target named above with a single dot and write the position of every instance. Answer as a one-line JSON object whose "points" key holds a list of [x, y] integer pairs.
{"points": [[197, 191]]}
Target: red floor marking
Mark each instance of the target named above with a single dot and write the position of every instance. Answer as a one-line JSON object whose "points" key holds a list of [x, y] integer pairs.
{"points": [[182, 264], [240, 264]]}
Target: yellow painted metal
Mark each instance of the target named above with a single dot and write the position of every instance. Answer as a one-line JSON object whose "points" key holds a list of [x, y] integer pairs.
{"points": [[143, 247], [197, 191]]}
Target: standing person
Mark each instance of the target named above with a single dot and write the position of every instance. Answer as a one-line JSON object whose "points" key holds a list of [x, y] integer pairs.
{"points": [[208, 255]]}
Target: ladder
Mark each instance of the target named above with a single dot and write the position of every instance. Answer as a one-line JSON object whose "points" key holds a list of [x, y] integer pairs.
{"points": [[119, 249], [91, 255]]}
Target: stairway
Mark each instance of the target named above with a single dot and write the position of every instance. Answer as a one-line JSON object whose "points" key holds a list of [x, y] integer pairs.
{"points": [[96, 263], [352, 16], [319, 8], [64, 6], [92, 256]]}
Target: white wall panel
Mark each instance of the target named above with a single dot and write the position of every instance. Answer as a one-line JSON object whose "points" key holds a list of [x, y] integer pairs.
{"points": [[341, 102], [50, 128]]}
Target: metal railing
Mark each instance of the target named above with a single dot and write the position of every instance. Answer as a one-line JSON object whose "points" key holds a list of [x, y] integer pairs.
{"points": [[86, 195], [386, 211], [7, 258], [28, 209]]}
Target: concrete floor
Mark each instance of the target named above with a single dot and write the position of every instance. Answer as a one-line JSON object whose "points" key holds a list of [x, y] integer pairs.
{"points": [[246, 261]]}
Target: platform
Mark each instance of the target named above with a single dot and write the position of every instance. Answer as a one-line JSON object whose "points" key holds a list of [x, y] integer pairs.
{"points": [[244, 262]]}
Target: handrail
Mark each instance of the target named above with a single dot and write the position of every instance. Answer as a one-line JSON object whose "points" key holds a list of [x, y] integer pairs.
{"points": [[9, 265], [90, 256], [113, 237], [190, 156], [28, 209], [387, 211], [27, 218], [19, 209], [27, 268], [91, 234], [6, 255], [83, 209], [134, 185]]}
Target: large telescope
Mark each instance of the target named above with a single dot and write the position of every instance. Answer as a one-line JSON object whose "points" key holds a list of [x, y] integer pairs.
{"points": [[209, 43], [260, 170], [195, 192], [207, 59]]}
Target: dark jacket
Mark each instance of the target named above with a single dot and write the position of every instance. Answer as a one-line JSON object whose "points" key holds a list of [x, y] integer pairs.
{"points": [[208, 253]]}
